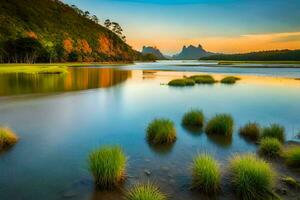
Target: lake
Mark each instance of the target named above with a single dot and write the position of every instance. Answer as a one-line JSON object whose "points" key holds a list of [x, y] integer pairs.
{"points": [[61, 118]]}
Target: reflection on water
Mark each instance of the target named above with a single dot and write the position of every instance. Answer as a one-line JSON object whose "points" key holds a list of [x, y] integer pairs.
{"points": [[50, 160], [76, 79], [221, 140], [161, 149]]}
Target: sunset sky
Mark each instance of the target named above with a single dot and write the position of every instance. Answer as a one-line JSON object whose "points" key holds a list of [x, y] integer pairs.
{"points": [[226, 26]]}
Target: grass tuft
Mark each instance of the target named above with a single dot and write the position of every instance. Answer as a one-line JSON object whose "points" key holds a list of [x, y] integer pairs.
{"points": [[230, 80], [221, 124], [108, 165], [203, 79], [7, 138], [193, 118], [270, 147], [250, 131], [275, 131], [182, 82], [252, 178], [206, 175], [145, 192], [161, 131], [292, 156]]}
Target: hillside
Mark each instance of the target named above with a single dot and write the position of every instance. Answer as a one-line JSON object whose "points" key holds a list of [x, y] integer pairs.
{"points": [[277, 55], [51, 31], [154, 51], [191, 53]]}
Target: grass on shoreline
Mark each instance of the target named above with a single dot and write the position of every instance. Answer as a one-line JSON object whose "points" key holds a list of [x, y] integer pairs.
{"points": [[252, 177], [193, 118], [145, 192], [270, 147], [206, 174], [181, 82], [230, 80], [220, 124], [292, 156], [250, 131], [203, 79], [108, 165], [161, 131], [7, 138], [46, 68], [274, 131]]}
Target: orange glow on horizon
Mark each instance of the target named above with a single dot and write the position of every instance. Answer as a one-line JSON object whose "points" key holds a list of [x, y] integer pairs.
{"points": [[238, 44]]}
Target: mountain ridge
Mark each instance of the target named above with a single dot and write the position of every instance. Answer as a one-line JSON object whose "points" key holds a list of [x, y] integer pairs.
{"points": [[191, 53], [154, 51]]}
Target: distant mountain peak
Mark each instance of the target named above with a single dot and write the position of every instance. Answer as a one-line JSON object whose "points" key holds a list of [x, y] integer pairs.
{"points": [[192, 53], [154, 51]]}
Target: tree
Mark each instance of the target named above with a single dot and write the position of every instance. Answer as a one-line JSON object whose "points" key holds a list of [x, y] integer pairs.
{"points": [[23, 50], [107, 23], [95, 19], [86, 14]]}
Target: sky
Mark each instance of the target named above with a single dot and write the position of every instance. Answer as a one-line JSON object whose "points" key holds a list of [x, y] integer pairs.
{"points": [[223, 26]]}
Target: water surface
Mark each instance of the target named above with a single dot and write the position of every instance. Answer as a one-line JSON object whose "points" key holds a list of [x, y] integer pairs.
{"points": [[57, 130]]}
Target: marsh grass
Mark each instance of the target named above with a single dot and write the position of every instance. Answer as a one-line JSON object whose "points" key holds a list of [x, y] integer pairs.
{"points": [[206, 174], [145, 192], [221, 124], [193, 118], [230, 80], [108, 165], [292, 156], [270, 147], [203, 79], [182, 82], [7, 138], [275, 131], [32, 69], [250, 131], [252, 177], [161, 131]]}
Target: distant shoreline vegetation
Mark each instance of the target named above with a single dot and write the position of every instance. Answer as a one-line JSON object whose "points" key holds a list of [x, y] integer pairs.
{"points": [[275, 55]]}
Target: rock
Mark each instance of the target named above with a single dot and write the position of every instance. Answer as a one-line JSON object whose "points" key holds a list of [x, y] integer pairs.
{"points": [[147, 172]]}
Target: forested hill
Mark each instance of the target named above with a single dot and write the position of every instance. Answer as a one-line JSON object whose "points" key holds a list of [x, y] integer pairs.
{"points": [[276, 55], [49, 30]]}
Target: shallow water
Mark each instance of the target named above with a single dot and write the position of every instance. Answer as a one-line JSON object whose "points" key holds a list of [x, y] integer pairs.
{"points": [[57, 130]]}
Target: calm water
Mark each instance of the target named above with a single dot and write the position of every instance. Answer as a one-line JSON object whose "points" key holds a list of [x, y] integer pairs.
{"points": [[57, 130]]}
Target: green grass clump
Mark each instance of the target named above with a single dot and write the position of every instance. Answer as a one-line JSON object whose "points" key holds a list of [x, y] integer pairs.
{"points": [[161, 131], [270, 147], [274, 131], [251, 177], [108, 165], [182, 82], [193, 118], [292, 156], [250, 131], [220, 124], [229, 80], [203, 79], [145, 192], [206, 175], [7, 138]]}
